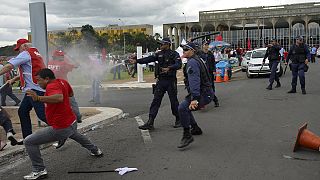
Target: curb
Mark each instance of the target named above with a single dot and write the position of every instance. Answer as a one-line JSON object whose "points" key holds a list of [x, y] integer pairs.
{"points": [[107, 115], [127, 85]]}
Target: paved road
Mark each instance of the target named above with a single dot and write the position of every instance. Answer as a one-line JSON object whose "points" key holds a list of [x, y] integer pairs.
{"points": [[246, 138]]}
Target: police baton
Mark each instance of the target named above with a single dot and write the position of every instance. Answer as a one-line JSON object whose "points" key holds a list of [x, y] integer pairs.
{"points": [[202, 36], [261, 67], [285, 69]]}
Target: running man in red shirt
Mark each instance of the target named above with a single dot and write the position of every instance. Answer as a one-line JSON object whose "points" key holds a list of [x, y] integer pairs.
{"points": [[61, 120], [61, 67]]}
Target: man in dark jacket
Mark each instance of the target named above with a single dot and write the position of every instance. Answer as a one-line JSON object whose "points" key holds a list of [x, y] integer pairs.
{"points": [[169, 62], [200, 93], [273, 55], [299, 55], [208, 57]]}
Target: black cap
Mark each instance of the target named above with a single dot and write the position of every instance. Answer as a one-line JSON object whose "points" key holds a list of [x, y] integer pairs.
{"points": [[206, 42], [189, 45], [165, 41], [299, 37]]}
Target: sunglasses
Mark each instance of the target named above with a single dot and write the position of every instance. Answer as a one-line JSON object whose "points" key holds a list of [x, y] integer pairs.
{"points": [[186, 49]]}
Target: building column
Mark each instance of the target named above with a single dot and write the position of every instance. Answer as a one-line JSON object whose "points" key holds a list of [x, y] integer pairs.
{"points": [[243, 34], [259, 34], [170, 35], [274, 21], [229, 32], [176, 38], [289, 20], [306, 26]]}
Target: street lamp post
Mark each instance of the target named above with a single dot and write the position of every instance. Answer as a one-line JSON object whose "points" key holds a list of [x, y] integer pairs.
{"points": [[185, 26], [124, 38]]}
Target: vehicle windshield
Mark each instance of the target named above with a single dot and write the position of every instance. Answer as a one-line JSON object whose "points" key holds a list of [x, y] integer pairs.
{"points": [[248, 54], [258, 54]]}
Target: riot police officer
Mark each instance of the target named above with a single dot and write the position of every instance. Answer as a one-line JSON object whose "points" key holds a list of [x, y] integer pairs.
{"points": [[200, 93], [208, 57], [273, 55], [299, 55], [167, 64]]}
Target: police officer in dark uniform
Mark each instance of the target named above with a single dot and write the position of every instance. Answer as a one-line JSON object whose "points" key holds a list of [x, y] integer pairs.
{"points": [[200, 93], [273, 55], [208, 57], [167, 64], [299, 55]]}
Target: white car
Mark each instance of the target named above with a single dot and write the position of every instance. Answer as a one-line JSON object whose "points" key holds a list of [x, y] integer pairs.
{"points": [[255, 64], [245, 61]]}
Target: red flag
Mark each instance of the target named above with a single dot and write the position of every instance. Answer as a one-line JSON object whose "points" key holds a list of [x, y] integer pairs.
{"points": [[103, 54], [219, 38], [249, 44]]}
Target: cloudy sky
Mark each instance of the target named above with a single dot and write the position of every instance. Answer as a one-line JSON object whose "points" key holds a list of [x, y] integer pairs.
{"points": [[61, 14]]}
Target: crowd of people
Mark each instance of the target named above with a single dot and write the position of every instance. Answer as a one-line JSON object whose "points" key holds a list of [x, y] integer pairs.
{"points": [[48, 91]]}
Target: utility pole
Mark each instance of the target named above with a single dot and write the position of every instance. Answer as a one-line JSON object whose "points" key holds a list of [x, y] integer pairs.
{"points": [[185, 26], [124, 38]]}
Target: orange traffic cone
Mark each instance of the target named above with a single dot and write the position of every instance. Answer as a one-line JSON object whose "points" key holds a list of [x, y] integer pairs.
{"points": [[226, 77], [307, 139], [218, 76]]}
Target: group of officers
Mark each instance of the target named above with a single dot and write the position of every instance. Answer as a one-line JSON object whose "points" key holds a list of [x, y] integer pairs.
{"points": [[299, 55], [198, 73]]}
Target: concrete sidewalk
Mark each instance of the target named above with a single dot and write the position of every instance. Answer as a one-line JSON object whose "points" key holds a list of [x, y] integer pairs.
{"points": [[107, 115]]}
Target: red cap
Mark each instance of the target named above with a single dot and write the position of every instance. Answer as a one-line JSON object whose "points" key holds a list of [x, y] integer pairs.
{"points": [[58, 53], [19, 43]]}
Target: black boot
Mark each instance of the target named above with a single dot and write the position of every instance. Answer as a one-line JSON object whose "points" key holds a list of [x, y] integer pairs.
{"points": [[186, 139], [216, 101], [148, 125], [303, 91], [177, 124], [196, 130], [278, 84], [293, 90], [269, 87]]}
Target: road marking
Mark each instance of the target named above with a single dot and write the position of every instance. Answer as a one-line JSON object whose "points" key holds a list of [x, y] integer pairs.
{"points": [[144, 133]]}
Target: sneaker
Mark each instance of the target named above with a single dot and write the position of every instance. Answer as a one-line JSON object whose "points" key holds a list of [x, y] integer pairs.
{"points": [[97, 153], [269, 87], [278, 85], [12, 139], [177, 124], [60, 143], [37, 175], [147, 126], [185, 141], [196, 130], [303, 91]]}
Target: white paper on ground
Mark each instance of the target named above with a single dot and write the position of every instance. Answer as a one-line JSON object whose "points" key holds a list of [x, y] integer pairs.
{"points": [[124, 170]]}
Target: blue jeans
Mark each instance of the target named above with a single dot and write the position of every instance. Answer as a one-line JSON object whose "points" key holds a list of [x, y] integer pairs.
{"points": [[96, 90], [273, 67], [298, 70], [185, 114], [47, 135], [75, 108], [24, 113], [5, 122], [116, 70]]}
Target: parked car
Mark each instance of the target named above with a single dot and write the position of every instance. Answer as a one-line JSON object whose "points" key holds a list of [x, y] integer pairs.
{"points": [[245, 61], [318, 52], [255, 64]]}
